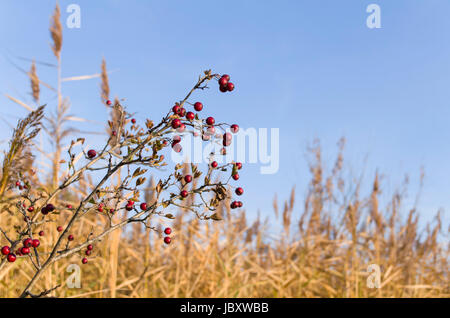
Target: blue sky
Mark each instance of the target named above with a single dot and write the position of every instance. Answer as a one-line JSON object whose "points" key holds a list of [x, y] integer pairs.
{"points": [[311, 68]]}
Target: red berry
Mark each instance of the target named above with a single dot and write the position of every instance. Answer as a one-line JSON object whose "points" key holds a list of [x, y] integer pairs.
{"points": [[100, 209], [129, 207], [108, 102], [88, 252], [69, 206], [184, 193], [176, 123], [25, 250], [211, 130], [91, 153], [182, 112], [167, 240], [226, 76], [177, 148], [41, 233], [6, 250], [188, 178], [238, 165], [181, 128], [236, 176], [70, 237], [210, 121], [223, 81], [84, 260], [223, 88], [239, 191], [240, 204], [11, 258], [17, 183], [226, 142], [234, 205], [133, 121], [27, 242], [143, 206], [31, 209], [90, 247], [230, 86], [35, 243], [214, 164], [59, 228], [114, 133], [223, 151], [176, 139], [176, 109], [167, 230], [234, 128], [190, 116], [227, 136], [198, 106]]}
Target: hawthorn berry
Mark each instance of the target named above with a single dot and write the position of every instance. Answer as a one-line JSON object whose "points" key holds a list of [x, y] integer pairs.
{"points": [[182, 112], [188, 178], [235, 176], [167, 240], [90, 247], [11, 258], [108, 102], [35, 243], [240, 204], [226, 142], [114, 133], [184, 193], [234, 205], [226, 76], [223, 81], [25, 250], [133, 120], [211, 130], [41, 233], [84, 260], [129, 207], [239, 191], [176, 109], [69, 206], [59, 228], [230, 86], [70, 237], [176, 123], [234, 128], [88, 252], [30, 209], [223, 88], [143, 206], [48, 208], [214, 164], [17, 183], [176, 139], [6, 250], [167, 230], [177, 148], [198, 106], [91, 154], [238, 165], [190, 116], [27, 242], [181, 128], [210, 121]]}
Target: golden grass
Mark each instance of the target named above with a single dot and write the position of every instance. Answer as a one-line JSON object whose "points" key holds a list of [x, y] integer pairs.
{"points": [[320, 250]]}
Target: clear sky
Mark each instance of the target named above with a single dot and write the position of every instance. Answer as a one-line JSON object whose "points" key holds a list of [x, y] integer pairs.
{"points": [[311, 68]]}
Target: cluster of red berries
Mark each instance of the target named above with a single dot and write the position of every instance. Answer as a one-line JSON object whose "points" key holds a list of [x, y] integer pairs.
{"points": [[225, 85], [87, 253], [167, 231], [24, 250], [130, 205], [21, 186], [239, 191]]}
